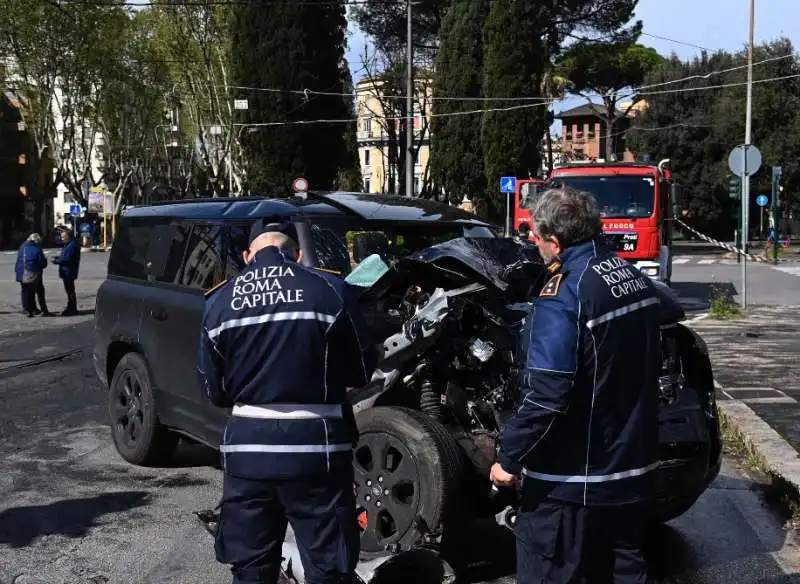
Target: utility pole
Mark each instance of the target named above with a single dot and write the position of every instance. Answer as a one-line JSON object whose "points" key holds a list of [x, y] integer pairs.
{"points": [[747, 141], [409, 108]]}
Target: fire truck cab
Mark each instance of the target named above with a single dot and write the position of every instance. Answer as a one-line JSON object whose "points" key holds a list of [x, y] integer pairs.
{"points": [[637, 204]]}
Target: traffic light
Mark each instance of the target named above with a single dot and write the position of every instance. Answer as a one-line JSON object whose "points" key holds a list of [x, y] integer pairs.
{"points": [[735, 187]]}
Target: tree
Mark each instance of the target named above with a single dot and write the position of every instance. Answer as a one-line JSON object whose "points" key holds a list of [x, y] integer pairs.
{"points": [[456, 163], [608, 69], [131, 111], [386, 23], [349, 175], [291, 47], [57, 58], [194, 39], [521, 41], [696, 129]]}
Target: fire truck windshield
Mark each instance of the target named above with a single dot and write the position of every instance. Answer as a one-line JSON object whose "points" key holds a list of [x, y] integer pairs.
{"points": [[617, 195]]}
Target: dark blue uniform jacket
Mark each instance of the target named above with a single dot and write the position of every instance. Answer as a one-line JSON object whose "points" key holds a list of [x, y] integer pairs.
{"points": [[29, 257], [69, 262], [586, 430], [280, 343]]}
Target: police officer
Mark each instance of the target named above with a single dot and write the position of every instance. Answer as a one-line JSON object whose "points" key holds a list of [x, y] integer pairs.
{"points": [[280, 343], [585, 436]]}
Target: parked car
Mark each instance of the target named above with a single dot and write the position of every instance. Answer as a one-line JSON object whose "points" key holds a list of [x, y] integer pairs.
{"points": [[447, 307]]}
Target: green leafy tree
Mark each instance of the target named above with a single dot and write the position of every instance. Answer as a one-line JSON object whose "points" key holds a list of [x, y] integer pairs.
{"points": [[194, 40], [521, 42], [696, 128], [456, 163], [57, 58], [609, 70], [292, 46]]}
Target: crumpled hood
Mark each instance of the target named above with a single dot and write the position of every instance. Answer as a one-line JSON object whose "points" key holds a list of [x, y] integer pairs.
{"points": [[511, 269]]}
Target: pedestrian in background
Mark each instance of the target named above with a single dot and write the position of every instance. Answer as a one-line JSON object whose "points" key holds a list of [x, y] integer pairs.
{"points": [[29, 268], [585, 436], [69, 263], [283, 360]]}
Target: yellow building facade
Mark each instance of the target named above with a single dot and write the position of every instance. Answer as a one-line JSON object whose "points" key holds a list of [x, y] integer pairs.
{"points": [[377, 176]]}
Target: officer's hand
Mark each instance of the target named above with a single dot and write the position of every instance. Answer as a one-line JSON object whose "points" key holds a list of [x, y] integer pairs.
{"points": [[500, 477]]}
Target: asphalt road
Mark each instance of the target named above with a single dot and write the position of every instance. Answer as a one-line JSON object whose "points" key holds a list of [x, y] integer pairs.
{"points": [[698, 277], [72, 512]]}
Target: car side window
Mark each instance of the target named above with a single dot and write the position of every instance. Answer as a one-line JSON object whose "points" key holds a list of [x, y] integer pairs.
{"points": [[238, 236], [331, 249], [203, 264], [129, 252], [166, 253]]}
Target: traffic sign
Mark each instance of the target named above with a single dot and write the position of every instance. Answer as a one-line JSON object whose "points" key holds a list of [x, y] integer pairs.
{"points": [[762, 200], [508, 184], [300, 185], [74, 210], [744, 160]]}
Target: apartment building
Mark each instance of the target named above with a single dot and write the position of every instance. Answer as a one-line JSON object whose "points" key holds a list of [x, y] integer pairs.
{"points": [[378, 175]]}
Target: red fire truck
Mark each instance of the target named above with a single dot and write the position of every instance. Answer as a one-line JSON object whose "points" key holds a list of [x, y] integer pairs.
{"points": [[636, 205]]}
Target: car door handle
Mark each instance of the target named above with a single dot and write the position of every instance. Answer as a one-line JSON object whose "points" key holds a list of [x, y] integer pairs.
{"points": [[158, 313]]}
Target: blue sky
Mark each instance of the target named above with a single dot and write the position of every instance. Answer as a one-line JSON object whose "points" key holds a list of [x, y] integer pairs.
{"points": [[711, 24]]}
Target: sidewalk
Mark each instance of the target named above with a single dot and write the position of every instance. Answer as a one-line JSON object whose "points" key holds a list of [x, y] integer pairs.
{"points": [[756, 363]]}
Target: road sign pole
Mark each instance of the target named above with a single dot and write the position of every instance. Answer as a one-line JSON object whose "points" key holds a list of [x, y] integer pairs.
{"points": [[508, 214]]}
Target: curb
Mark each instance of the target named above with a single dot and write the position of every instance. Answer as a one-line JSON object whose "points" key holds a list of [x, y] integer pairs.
{"points": [[777, 455]]}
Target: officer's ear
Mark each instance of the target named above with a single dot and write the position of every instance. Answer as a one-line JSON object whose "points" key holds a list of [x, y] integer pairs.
{"points": [[299, 257], [246, 256]]}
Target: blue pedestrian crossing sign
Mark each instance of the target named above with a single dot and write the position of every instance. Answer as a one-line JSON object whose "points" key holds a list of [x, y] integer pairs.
{"points": [[508, 184], [74, 210], [762, 200]]}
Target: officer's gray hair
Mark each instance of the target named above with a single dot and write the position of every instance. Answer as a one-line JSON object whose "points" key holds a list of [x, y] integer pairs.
{"points": [[570, 215], [35, 238], [280, 240]]}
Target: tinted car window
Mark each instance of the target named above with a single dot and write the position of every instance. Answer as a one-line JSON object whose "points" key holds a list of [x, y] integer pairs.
{"points": [[238, 236], [166, 253], [203, 266], [129, 252]]}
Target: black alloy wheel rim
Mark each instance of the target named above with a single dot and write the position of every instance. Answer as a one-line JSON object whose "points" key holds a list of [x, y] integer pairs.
{"points": [[387, 489], [127, 409]]}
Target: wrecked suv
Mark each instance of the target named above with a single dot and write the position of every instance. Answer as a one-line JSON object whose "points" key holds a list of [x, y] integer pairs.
{"points": [[446, 298]]}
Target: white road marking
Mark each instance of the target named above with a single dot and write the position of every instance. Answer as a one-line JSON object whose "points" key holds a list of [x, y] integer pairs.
{"points": [[706, 261], [791, 270], [681, 260]]}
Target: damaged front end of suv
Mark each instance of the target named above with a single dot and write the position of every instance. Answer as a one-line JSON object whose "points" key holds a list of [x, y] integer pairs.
{"points": [[430, 420]]}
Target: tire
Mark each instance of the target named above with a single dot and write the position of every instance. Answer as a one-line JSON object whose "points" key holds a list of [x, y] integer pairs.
{"points": [[412, 485], [130, 397]]}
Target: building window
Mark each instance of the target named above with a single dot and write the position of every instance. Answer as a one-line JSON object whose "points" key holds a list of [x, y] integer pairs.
{"points": [[366, 157], [367, 185]]}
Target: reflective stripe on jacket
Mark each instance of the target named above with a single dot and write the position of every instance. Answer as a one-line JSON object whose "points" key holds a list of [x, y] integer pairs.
{"points": [[281, 343], [586, 430]]}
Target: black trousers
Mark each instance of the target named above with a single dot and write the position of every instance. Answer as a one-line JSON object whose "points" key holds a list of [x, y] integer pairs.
{"points": [[69, 288], [30, 293], [560, 543], [321, 510]]}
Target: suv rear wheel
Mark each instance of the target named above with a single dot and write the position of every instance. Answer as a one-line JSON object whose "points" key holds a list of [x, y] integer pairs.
{"points": [[137, 434], [407, 469]]}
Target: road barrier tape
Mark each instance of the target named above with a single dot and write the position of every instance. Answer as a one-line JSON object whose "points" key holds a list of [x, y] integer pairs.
{"points": [[734, 249]]}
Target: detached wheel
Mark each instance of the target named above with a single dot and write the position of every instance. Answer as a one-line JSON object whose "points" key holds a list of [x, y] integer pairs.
{"points": [[138, 436], [407, 466]]}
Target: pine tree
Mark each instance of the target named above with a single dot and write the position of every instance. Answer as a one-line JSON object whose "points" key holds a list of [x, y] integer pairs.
{"points": [[287, 45], [456, 149], [515, 59]]}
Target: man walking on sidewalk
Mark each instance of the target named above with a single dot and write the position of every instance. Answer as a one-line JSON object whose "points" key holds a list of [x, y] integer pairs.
{"points": [[69, 263]]}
